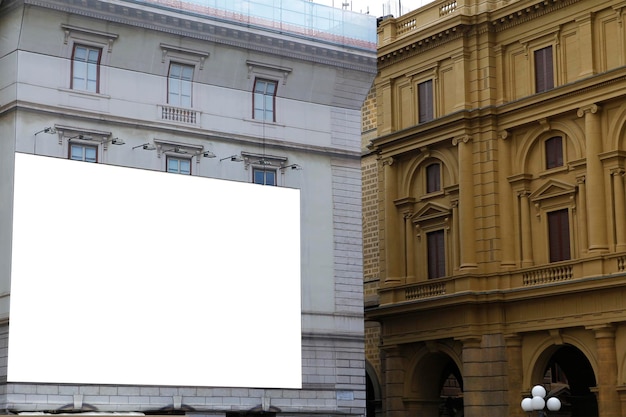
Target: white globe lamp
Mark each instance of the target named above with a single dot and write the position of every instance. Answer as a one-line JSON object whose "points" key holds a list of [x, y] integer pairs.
{"points": [[527, 405], [553, 404], [538, 391], [538, 403]]}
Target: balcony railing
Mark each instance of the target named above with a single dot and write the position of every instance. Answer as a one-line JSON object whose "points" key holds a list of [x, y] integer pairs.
{"points": [[548, 275], [567, 272], [177, 114]]}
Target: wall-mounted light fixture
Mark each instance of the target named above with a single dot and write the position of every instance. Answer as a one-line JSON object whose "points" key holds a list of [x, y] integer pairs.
{"points": [[292, 166], [146, 146], [207, 154], [50, 130], [115, 141], [81, 137], [233, 158]]}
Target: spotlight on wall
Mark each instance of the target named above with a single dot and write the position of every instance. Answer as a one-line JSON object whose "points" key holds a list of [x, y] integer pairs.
{"points": [[208, 154], [233, 158], [292, 166], [115, 141], [175, 149], [81, 137], [146, 146], [50, 130]]}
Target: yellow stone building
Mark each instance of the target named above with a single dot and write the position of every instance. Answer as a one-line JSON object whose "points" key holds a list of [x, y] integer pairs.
{"points": [[494, 209]]}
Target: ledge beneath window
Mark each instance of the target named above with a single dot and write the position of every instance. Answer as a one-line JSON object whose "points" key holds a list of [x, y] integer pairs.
{"points": [[84, 93], [178, 114]]}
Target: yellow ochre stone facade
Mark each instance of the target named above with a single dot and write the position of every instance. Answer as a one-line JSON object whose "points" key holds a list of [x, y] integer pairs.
{"points": [[494, 209]]}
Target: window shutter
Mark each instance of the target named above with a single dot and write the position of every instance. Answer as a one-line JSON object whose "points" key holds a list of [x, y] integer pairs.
{"points": [[544, 74], [436, 254], [558, 235], [425, 101]]}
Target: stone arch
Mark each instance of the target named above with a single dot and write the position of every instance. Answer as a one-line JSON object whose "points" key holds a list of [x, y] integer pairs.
{"points": [[373, 392], [579, 370], [617, 129], [427, 372], [448, 163], [571, 131]]}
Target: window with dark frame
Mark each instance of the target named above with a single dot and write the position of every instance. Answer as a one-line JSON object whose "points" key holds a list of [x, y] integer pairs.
{"points": [[554, 152], [86, 68], [433, 178], [179, 83], [264, 100], [436, 254], [558, 235], [86, 153], [178, 165], [264, 176], [544, 71], [425, 101]]}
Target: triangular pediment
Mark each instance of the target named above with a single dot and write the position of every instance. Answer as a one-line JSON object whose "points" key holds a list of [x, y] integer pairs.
{"points": [[551, 189], [430, 211]]}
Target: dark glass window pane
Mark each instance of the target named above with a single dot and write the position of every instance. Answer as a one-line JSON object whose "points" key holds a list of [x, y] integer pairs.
{"points": [[436, 254], [554, 152], [544, 74], [433, 178], [425, 101], [558, 235]]}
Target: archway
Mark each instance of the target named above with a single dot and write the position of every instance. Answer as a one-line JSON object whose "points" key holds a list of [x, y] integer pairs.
{"points": [[438, 385], [373, 401], [569, 376]]}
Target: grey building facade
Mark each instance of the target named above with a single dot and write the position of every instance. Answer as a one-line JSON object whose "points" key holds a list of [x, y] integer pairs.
{"points": [[265, 92]]}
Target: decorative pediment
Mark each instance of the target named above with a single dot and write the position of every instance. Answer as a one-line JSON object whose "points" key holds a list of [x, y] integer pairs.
{"points": [[431, 211], [552, 189]]}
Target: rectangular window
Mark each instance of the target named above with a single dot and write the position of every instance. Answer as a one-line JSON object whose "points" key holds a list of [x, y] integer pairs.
{"points": [[85, 153], [554, 152], [425, 101], [264, 176], [179, 85], [436, 254], [179, 165], [544, 74], [433, 178], [264, 100], [558, 235], [85, 68]]}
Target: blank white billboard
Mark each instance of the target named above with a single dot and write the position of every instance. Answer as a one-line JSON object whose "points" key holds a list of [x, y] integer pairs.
{"points": [[129, 276]]}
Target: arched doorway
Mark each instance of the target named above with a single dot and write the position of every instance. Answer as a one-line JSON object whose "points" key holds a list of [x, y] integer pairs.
{"points": [[373, 401], [569, 376], [438, 385]]}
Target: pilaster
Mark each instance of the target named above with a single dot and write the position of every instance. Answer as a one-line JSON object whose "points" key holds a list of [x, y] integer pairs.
{"points": [[466, 201]]}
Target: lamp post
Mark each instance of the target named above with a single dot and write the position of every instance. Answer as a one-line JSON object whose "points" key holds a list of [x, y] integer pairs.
{"points": [[538, 401]]}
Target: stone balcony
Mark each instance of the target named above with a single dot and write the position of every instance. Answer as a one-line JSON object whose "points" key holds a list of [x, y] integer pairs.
{"points": [[570, 275]]}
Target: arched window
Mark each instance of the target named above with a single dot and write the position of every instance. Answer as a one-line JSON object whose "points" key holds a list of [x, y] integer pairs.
{"points": [[433, 178], [554, 152]]}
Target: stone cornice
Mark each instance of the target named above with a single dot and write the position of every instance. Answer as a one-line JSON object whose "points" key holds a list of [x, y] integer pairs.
{"points": [[498, 20], [221, 32]]}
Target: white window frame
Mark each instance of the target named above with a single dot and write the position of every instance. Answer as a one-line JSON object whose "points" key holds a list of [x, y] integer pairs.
{"points": [[73, 36]]}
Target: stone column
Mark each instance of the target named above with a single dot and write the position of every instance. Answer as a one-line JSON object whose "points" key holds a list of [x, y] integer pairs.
{"points": [[393, 381], [392, 230], [596, 201], [527, 243], [473, 378], [410, 247], [515, 374], [466, 201], [507, 223], [456, 248], [620, 209], [585, 37], [582, 211], [608, 398]]}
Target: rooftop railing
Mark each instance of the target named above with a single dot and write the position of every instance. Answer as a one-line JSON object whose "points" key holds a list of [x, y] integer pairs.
{"points": [[298, 17]]}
